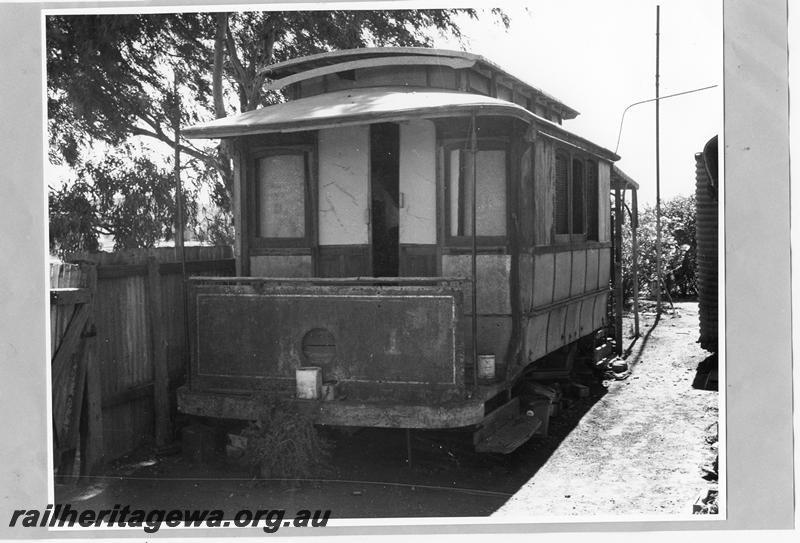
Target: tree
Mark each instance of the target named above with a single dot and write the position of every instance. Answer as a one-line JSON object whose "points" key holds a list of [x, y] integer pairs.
{"points": [[111, 80], [124, 194], [109, 77], [678, 248], [679, 216]]}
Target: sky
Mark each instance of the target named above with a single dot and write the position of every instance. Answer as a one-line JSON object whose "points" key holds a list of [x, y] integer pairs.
{"points": [[598, 57]]}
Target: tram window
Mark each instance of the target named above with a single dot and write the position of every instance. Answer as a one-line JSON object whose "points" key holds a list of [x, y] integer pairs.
{"points": [[577, 197], [562, 196], [490, 201], [575, 216], [591, 200], [281, 187]]}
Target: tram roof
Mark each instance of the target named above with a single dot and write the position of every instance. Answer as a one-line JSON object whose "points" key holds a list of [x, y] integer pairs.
{"points": [[373, 105]]}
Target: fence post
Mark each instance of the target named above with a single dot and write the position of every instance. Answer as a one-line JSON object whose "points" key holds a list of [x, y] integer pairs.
{"points": [[92, 446], [163, 425]]}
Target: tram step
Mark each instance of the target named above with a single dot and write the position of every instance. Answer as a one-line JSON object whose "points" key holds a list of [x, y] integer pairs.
{"points": [[510, 436], [505, 429]]}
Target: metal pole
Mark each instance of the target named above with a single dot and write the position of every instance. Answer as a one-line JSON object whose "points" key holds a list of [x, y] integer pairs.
{"points": [[176, 124], [635, 259], [179, 219], [658, 174], [474, 151]]}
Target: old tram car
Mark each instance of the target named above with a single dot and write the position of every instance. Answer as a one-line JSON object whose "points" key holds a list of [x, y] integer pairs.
{"points": [[365, 205]]}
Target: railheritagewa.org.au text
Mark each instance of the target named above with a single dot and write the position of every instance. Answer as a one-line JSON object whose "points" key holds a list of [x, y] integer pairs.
{"points": [[64, 515]]}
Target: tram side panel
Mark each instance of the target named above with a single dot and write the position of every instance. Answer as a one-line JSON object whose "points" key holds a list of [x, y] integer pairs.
{"points": [[568, 280]]}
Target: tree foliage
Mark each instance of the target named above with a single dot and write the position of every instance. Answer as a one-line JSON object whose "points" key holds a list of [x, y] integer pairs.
{"points": [[109, 77], [112, 79], [123, 194], [678, 248]]}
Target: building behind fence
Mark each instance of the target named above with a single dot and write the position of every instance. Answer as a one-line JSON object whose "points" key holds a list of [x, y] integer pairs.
{"points": [[137, 336]]}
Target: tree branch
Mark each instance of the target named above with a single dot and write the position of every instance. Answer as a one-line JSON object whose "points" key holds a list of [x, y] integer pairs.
{"points": [[241, 73], [193, 152], [216, 81]]}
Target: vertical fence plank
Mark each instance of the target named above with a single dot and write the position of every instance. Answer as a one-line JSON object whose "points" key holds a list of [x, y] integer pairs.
{"points": [[163, 425], [139, 353]]}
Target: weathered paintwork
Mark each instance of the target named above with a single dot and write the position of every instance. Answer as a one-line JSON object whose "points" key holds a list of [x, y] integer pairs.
{"points": [[402, 351], [418, 182], [400, 342], [569, 293], [343, 185], [248, 405], [493, 288], [281, 266]]}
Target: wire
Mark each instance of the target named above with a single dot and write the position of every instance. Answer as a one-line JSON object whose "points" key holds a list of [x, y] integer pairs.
{"points": [[622, 119]]}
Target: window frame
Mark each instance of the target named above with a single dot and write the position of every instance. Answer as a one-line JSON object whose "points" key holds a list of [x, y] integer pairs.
{"points": [[593, 231], [483, 144], [571, 236], [562, 237], [308, 154]]}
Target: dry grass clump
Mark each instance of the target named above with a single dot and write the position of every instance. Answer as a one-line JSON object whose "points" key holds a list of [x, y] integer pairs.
{"points": [[284, 444]]}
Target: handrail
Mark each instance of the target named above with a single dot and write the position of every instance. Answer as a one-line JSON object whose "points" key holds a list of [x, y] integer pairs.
{"points": [[391, 281]]}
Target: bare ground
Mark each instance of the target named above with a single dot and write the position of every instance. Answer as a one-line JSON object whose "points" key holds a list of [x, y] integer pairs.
{"points": [[633, 446], [639, 449]]}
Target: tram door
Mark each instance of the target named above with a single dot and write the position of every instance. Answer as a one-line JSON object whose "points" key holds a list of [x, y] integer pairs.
{"points": [[385, 204]]}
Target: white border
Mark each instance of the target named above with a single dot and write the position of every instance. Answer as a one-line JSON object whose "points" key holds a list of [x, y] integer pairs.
{"points": [[423, 521]]}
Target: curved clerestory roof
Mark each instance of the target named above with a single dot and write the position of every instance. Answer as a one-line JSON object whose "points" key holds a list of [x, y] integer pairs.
{"points": [[304, 68], [378, 104]]}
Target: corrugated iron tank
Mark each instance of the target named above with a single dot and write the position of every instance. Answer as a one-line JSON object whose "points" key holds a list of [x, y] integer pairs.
{"points": [[707, 242]]}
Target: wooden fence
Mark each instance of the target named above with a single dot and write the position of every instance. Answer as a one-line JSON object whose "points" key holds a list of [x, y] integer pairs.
{"points": [[77, 418], [138, 340]]}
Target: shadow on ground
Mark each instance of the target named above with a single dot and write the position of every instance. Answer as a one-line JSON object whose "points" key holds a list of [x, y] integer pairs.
{"points": [[370, 476]]}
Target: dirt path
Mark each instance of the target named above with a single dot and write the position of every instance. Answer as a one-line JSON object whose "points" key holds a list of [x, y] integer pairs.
{"points": [[635, 447], [640, 448]]}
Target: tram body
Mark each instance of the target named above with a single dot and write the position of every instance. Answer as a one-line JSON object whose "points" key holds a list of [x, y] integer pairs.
{"points": [[365, 205]]}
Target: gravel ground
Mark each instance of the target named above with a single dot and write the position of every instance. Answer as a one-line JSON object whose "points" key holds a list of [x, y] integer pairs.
{"points": [[640, 449]]}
